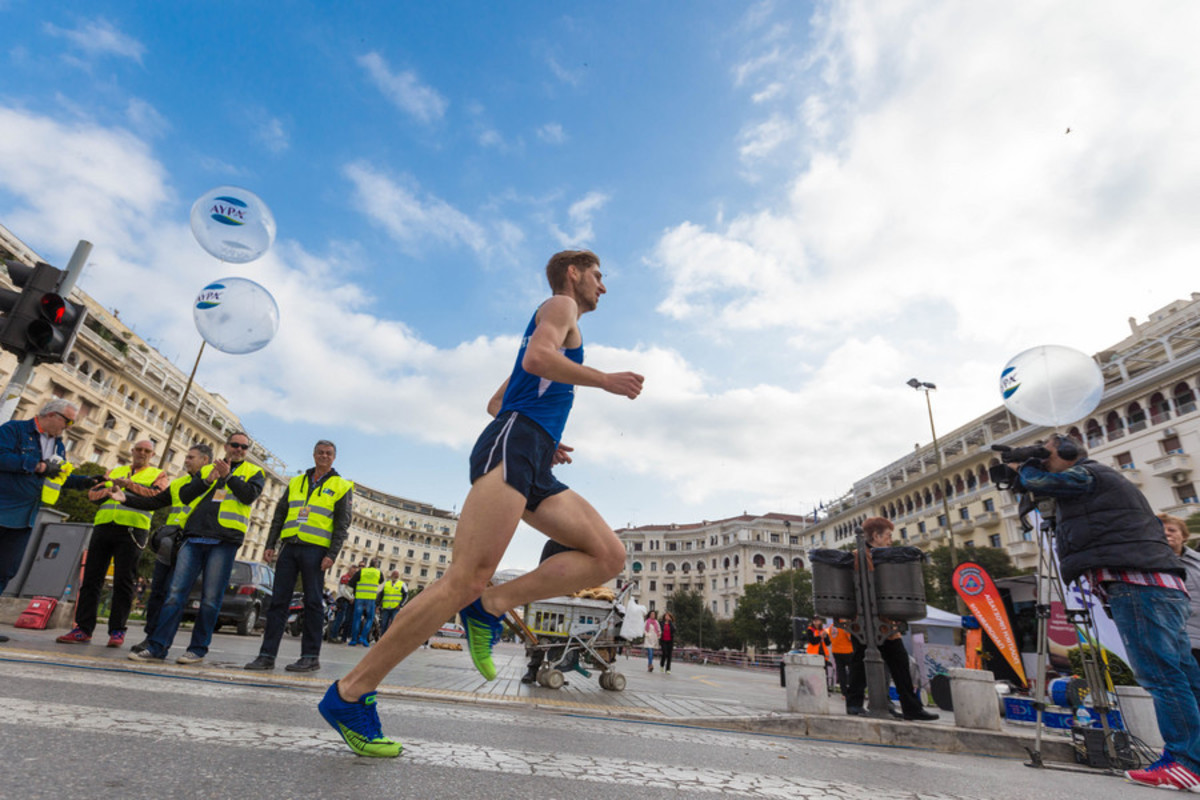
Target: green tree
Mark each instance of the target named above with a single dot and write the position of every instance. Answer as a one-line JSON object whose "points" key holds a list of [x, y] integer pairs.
{"points": [[694, 624], [726, 637], [939, 587], [764, 614]]}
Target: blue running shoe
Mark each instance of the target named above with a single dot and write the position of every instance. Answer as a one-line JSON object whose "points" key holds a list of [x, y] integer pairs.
{"points": [[358, 723], [483, 631]]}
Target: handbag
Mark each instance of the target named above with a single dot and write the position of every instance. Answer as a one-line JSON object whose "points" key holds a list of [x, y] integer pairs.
{"points": [[166, 540]]}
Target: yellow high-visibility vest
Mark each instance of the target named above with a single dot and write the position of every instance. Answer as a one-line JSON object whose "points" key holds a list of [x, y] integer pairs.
{"points": [[233, 513], [368, 583], [393, 593], [310, 518], [113, 512], [179, 510]]}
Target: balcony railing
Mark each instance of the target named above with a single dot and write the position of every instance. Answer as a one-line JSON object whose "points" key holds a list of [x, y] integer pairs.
{"points": [[987, 519], [1170, 464], [1133, 474]]}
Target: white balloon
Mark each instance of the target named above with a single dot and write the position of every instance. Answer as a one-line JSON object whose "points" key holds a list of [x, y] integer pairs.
{"points": [[236, 315], [233, 224], [1051, 385]]}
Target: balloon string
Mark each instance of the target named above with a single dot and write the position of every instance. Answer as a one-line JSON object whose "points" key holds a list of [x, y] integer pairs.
{"points": [[162, 464]]}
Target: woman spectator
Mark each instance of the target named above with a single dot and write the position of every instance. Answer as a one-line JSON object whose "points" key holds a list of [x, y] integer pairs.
{"points": [[653, 631], [1177, 536], [667, 641]]}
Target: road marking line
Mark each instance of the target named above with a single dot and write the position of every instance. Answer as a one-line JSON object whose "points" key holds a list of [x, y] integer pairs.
{"points": [[571, 766]]}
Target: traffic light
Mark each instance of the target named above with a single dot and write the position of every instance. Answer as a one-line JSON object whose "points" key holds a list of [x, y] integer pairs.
{"points": [[38, 319]]}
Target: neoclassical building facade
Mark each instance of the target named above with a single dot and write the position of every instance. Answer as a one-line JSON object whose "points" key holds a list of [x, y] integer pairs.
{"points": [[716, 559]]}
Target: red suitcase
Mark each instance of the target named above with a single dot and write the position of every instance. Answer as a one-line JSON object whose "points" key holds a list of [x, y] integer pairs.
{"points": [[37, 614]]}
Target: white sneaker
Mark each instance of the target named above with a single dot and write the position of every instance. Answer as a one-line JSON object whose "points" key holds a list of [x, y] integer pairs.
{"points": [[189, 658]]}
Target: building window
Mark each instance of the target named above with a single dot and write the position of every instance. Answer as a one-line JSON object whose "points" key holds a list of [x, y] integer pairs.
{"points": [[994, 540], [637, 547], [921, 527], [653, 586], [964, 513], [1186, 494], [637, 566], [1171, 445], [989, 504]]}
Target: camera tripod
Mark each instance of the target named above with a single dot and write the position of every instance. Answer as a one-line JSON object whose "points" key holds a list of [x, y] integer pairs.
{"points": [[1120, 752]]}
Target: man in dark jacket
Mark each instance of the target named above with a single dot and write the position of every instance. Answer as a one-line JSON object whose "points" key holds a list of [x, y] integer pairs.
{"points": [[1107, 533], [310, 524], [31, 454]]}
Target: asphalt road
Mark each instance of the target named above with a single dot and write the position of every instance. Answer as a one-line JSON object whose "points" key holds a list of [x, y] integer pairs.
{"points": [[89, 727]]}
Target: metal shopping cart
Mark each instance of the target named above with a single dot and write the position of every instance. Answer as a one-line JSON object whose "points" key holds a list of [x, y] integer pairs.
{"points": [[574, 633]]}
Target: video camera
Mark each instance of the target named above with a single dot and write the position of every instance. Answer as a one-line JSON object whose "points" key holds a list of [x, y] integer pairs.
{"points": [[1004, 476]]}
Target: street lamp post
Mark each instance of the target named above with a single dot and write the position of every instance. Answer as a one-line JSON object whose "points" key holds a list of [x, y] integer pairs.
{"points": [[926, 387], [787, 524]]}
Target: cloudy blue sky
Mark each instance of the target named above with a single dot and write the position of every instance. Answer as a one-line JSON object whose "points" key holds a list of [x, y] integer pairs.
{"points": [[798, 207]]}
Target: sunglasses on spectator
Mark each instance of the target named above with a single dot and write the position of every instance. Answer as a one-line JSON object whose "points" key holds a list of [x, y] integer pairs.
{"points": [[66, 419], [237, 445]]}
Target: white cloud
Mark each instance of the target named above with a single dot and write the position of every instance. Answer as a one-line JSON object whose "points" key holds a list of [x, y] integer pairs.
{"points": [[397, 206], [552, 133], [145, 119], [273, 135], [404, 89], [580, 215], [99, 37]]}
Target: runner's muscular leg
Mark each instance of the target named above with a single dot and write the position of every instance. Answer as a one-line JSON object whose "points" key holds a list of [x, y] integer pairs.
{"points": [[489, 518], [598, 554]]}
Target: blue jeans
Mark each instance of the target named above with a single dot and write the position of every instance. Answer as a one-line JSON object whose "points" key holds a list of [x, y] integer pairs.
{"points": [[386, 616], [303, 560], [13, 542], [1152, 623], [159, 583], [215, 563], [364, 616]]}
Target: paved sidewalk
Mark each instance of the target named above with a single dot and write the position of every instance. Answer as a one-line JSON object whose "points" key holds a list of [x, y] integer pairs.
{"points": [[691, 694]]}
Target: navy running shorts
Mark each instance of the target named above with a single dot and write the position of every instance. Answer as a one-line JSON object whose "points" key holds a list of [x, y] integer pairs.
{"points": [[525, 452]]}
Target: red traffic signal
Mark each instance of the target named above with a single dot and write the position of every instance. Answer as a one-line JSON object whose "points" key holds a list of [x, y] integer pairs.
{"points": [[38, 320]]}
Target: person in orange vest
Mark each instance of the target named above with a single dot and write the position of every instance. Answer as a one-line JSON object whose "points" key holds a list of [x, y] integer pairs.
{"points": [[842, 647], [816, 640]]}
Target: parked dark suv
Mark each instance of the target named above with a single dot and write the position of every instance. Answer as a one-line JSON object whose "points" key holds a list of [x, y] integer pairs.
{"points": [[246, 598]]}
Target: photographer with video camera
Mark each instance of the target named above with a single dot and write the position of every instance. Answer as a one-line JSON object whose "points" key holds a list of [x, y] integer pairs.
{"points": [[1107, 533]]}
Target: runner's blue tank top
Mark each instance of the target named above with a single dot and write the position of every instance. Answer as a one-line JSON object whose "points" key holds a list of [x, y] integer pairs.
{"points": [[545, 402]]}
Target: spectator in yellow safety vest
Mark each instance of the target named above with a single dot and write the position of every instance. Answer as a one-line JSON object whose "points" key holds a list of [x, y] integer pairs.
{"points": [[393, 596], [310, 524], [365, 591], [119, 533]]}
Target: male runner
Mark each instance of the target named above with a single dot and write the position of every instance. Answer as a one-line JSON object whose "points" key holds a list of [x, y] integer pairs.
{"points": [[510, 481]]}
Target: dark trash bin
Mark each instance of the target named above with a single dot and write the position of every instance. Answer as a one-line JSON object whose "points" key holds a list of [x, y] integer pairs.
{"points": [[899, 582], [833, 583]]}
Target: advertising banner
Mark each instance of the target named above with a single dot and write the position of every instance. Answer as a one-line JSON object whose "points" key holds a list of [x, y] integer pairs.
{"points": [[979, 592]]}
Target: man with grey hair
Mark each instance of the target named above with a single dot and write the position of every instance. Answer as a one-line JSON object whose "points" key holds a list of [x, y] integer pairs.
{"points": [[309, 527], [32, 455]]}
